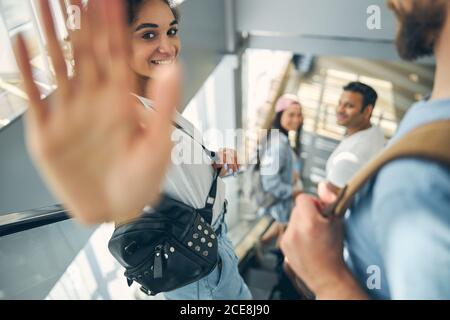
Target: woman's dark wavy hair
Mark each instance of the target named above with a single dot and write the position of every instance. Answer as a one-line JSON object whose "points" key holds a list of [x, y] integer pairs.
{"points": [[133, 6], [276, 124]]}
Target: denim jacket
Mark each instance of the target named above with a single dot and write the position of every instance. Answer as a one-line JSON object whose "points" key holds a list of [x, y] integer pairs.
{"points": [[280, 184]]}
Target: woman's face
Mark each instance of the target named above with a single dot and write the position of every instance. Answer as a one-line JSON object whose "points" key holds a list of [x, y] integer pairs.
{"points": [[292, 117], [155, 41]]}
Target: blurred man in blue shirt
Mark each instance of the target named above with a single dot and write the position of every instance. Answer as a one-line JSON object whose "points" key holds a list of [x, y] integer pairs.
{"points": [[397, 232]]}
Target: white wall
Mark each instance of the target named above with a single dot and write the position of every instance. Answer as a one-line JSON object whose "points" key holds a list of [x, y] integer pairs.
{"points": [[212, 110], [202, 32]]}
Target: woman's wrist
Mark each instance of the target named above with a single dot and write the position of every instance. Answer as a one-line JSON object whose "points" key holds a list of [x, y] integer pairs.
{"points": [[125, 218]]}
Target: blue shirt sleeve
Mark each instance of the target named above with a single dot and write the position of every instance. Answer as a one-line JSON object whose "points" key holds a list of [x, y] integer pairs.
{"points": [[273, 161], [411, 215]]}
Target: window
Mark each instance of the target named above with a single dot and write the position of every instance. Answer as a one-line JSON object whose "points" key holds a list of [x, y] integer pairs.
{"points": [[22, 16]]}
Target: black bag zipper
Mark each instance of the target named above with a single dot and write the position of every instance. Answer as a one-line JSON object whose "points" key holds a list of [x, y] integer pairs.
{"points": [[157, 262]]}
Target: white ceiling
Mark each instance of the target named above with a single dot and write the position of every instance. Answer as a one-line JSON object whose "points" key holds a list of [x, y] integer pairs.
{"points": [[319, 27]]}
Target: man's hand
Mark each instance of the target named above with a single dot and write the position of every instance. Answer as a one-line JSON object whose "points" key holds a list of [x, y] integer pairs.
{"points": [[313, 246], [97, 153], [328, 193], [295, 194]]}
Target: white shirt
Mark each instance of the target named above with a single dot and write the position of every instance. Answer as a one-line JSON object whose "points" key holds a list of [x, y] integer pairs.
{"points": [[352, 154], [190, 182]]}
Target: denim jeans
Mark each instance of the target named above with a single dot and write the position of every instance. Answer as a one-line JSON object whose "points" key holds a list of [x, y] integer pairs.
{"points": [[224, 282]]}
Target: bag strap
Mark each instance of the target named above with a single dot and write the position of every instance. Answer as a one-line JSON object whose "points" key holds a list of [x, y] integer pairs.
{"points": [[211, 198], [177, 124], [210, 153], [207, 211], [430, 141]]}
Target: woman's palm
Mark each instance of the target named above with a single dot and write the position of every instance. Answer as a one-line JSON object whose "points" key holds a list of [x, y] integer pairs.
{"points": [[101, 157]]}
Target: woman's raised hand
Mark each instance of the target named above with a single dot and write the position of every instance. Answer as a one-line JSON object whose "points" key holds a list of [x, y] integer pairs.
{"points": [[97, 153]]}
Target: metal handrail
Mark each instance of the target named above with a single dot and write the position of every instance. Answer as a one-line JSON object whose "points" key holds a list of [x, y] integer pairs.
{"points": [[16, 222]]}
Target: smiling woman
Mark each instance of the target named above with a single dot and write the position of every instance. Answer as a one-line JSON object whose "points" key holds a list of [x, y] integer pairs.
{"points": [[155, 45], [154, 41]]}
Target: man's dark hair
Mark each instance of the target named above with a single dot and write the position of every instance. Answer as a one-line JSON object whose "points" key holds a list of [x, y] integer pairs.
{"points": [[133, 6], [370, 96]]}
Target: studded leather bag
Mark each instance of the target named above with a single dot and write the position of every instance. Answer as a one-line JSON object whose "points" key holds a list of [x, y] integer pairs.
{"points": [[168, 247]]}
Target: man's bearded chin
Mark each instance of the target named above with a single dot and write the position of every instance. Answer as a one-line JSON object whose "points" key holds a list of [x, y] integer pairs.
{"points": [[419, 29]]}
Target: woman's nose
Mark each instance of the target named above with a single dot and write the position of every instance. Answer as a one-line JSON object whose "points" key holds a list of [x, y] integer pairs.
{"points": [[164, 46]]}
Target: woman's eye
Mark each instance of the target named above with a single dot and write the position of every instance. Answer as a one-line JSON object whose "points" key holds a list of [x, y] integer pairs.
{"points": [[173, 32], [148, 35]]}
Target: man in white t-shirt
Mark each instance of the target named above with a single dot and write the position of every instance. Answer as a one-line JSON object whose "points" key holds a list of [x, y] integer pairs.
{"points": [[360, 144]]}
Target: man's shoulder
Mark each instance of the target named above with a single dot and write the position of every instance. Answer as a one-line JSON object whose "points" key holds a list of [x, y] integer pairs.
{"points": [[413, 178], [364, 145], [373, 136], [374, 141], [414, 173], [377, 132]]}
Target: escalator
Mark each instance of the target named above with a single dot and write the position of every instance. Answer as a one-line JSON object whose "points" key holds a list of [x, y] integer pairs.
{"points": [[36, 246]]}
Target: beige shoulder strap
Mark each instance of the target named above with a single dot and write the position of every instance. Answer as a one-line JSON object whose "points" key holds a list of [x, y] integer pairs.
{"points": [[431, 141]]}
